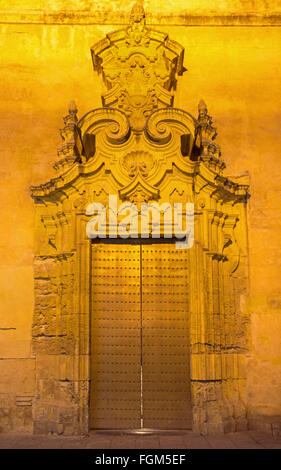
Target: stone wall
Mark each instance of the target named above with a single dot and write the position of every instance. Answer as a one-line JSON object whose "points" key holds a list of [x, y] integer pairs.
{"points": [[177, 12], [235, 69]]}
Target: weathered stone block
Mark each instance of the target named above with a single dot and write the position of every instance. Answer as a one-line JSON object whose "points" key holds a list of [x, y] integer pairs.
{"points": [[45, 301], [6, 424], [40, 427], [53, 345], [45, 267], [23, 419], [241, 424], [45, 287]]}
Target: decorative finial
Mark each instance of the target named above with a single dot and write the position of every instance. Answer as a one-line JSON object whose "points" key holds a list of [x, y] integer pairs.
{"points": [[137, 13], [72, 108], [202, 107]]}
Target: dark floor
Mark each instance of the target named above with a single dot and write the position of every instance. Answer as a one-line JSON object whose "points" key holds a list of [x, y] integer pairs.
{"points": [[179, 440]]}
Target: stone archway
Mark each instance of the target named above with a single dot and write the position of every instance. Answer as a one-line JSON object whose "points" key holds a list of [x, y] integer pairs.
{"points": [[139, 148]]}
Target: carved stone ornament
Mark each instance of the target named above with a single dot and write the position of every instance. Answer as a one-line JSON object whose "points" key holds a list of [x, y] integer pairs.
{"points": [[141, 149], [138, 191], [138, 162], [139, 67]]}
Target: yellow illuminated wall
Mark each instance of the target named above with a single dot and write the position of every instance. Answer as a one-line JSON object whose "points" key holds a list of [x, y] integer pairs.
{"points": [[45, 63]]}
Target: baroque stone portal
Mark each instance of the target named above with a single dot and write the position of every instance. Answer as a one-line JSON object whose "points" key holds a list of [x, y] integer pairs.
{"points": [[174, 334]]}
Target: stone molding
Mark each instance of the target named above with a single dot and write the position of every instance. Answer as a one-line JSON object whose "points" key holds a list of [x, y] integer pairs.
{"points": [[106, 16]]}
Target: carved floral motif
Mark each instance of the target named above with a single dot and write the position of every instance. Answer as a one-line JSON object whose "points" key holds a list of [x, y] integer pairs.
{"points": [[138, 162]]}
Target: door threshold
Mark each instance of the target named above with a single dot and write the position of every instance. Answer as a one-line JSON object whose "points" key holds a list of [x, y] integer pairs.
{"points": [[157, 431], [141, 431]]}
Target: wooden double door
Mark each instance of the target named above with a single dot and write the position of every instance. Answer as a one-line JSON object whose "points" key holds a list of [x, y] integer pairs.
{"points": [[140, 360]]}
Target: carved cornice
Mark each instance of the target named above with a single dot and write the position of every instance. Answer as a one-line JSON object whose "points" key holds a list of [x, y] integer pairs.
{"points": [[218, 186], [205, 180], [112, 13]]}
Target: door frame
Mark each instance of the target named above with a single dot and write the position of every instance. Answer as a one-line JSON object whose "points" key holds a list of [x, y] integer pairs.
{"points": [[217, 277]]}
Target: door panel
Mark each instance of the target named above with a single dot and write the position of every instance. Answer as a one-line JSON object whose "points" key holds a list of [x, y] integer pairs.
{"points": [[165, 337], [140, 337], [115, 359]]}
